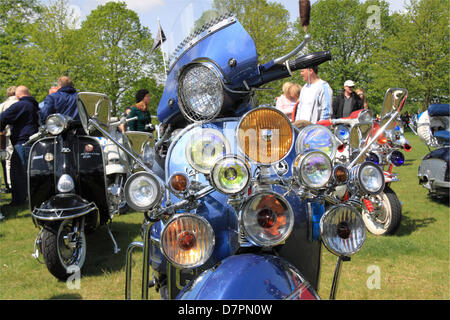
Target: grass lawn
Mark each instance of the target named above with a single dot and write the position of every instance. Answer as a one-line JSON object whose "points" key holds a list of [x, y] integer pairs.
{"points": [[412, 264]]}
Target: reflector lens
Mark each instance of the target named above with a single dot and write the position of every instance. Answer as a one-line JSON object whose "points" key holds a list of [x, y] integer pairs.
{"points": [[265, 135], [372, 157], [178, 182], [371, 178], [343, 230], [397, 158], [143, 191], [382, 139], [341, 174], [230, 175], [313, 169], [316, 137], [267, 219], [187, 240], [205, 147]]}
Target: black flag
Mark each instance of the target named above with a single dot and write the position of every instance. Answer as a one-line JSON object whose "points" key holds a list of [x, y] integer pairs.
{"points": [[160, 38]]}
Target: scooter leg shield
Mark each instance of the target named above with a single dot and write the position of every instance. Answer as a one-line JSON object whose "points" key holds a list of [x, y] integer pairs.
{"points": [[249, 277]]}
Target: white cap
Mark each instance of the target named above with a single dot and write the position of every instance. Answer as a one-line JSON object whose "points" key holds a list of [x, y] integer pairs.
{"points": [[349, 83]]}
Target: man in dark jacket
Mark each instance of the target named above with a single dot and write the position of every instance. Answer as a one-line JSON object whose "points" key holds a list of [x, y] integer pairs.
{"points": [[63, 101], [347, 102], [23, 118]]}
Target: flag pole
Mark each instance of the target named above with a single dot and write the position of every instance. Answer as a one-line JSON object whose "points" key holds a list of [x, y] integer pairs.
{"points": [[162, 51]]}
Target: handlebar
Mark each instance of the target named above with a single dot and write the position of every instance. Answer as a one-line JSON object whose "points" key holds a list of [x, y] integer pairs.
{"points": [[271, 71], [310, 60], [123, 120]]}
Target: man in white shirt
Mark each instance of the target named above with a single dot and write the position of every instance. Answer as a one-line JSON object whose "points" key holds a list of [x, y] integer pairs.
{"points": [[315, 99]]}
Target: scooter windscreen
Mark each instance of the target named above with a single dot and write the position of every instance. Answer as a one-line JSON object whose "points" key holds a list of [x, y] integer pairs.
{"points": [[210, 55]]}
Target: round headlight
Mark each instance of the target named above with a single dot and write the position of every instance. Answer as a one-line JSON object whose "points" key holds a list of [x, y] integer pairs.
{"points": [[368, 177], [396, 158], [200, 92], [265, 135], [340, 174], [342, 132], [143, 191], [65, 184], [204, 148], [373, 157], [313, 169], [365, 117], [316, 137], [343, 230], [230, 175], [179, 183], [55, 124], [267, 219], [187, 240]]}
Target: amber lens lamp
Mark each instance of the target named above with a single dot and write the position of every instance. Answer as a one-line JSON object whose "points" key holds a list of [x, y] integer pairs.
{"points": [[265, 136]]}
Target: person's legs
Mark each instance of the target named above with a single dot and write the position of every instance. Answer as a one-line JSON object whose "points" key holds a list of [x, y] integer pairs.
{"points": [[18, 177]]}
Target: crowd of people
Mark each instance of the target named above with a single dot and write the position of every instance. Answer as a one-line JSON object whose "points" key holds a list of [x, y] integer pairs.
{"points": [[20, 118], [314, 101]]}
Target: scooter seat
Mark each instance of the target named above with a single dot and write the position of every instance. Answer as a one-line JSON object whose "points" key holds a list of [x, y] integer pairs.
{"points": [[439, 110], [442, 136]]}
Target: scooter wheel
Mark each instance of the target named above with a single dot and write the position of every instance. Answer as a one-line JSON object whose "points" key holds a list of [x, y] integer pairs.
{"points": [[63, 250], [386, 217]]}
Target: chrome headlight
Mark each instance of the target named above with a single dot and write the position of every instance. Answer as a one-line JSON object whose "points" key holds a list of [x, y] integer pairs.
{"points": [[316, 137], [143, 191], [187, 240], [343, 230], [373, 157], [313, 169], [365, 117], [396, 158], [342, 132], [65, 184], [56, 123], [200, 92], [204, 148], [230, 175], [265, 135], [367, 177], [267, 219]]}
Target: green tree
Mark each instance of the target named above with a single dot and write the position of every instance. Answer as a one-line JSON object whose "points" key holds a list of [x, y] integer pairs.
{"points": [[416, 56], [15, 17], [52, 48], [353, 32], [115, 52]]}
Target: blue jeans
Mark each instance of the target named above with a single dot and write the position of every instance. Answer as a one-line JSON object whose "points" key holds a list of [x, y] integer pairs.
{"points": [[19, 166]]}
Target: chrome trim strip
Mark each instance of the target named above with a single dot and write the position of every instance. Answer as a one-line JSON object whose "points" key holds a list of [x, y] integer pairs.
{"points": [[91, 207]]}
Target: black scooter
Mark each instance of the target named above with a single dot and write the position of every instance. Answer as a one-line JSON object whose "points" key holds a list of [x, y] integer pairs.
{"points": [[70, 194]]}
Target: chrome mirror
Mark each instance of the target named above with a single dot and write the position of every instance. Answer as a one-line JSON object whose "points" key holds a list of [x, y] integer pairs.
{"points": [[394, 100], [96, 106], [143, 145]]}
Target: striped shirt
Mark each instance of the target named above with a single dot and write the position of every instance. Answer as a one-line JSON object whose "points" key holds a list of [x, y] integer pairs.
{"points": [[315, 102]]}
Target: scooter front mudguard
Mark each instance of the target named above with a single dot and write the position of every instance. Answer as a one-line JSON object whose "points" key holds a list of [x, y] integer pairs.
{"points": [[249, 277]]}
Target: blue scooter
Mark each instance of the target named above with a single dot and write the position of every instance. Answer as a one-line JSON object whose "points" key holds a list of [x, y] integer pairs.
{"points": [[234, 203]]}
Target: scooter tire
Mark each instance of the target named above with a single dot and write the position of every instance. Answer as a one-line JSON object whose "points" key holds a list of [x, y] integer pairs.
{"points": [[391, 207], [50, 246]]}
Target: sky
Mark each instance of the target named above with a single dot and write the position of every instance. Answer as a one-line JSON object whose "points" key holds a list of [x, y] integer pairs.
{"points": [[150, 11]]}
